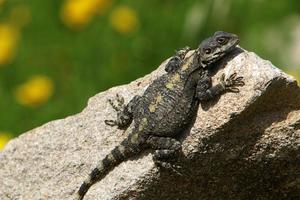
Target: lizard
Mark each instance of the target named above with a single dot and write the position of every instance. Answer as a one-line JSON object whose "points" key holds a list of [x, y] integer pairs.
{"points": [[164, 110]]}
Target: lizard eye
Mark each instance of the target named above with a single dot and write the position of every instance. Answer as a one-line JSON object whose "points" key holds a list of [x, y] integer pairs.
{"points": [[222, 40], [207, 51]]}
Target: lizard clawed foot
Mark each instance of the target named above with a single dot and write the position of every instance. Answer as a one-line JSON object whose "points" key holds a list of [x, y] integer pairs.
{"points": [[183, 51], [167, 159], [167, 165], [110, 122], [231, 83], [122, 117], [117, 103]]}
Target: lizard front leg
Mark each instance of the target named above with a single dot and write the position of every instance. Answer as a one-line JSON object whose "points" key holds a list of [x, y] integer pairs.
{"points": [[207, 92], [177, 59], [124, 112]]}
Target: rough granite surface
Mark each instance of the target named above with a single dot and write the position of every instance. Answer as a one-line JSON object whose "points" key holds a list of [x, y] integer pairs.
{"points": [[240, 146]]}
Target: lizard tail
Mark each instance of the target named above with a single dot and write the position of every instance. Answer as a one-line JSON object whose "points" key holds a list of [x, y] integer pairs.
{"points": [[119, 154]]}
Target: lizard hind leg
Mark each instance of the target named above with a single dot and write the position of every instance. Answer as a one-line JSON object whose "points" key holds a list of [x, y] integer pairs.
{"points": [[166, 152]]}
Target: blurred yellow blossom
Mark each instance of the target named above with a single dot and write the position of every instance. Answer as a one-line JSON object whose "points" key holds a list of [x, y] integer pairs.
{"points": [[124, 19], [35, 91], [4, 138], [77, 13], [8, 41], [1, 2]]}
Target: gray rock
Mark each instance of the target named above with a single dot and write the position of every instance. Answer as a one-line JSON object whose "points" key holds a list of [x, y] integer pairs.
{"points": [[241, 146]]}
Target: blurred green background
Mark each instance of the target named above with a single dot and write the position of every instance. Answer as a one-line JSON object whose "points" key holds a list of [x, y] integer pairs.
{"points": [[55, 54]]}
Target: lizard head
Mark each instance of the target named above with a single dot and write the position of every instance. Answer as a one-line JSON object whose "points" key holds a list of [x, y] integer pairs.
{"points": [[215, 47]]}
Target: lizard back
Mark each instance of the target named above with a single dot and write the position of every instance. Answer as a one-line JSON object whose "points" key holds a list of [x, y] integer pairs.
{"points": [[169, 101]]}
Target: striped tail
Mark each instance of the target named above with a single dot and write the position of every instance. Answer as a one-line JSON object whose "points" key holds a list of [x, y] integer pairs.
{"points": [[119, 154]]}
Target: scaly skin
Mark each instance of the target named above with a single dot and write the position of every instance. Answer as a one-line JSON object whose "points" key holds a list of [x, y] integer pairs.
{"points": [[167, 106]]}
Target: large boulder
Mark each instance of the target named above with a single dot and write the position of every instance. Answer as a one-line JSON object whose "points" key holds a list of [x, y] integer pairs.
{"points": [[240, 146]]}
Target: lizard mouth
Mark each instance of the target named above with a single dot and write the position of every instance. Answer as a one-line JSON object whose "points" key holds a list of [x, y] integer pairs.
{"points": [[237, 41], [234, 44]]}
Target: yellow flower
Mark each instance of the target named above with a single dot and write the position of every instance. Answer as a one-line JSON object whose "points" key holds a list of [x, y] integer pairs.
{"points": [[1, 2], [77, 13], [8, 42], [124, 19], [35, 91], [4, 138]]}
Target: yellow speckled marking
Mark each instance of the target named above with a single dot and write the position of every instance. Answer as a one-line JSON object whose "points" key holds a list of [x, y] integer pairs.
{"points": [[143, 123], [174, 79], [155, 103], [88, 180], [121, 148], [100, 166], [185, 66], [111, 157], [134, 138]]}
